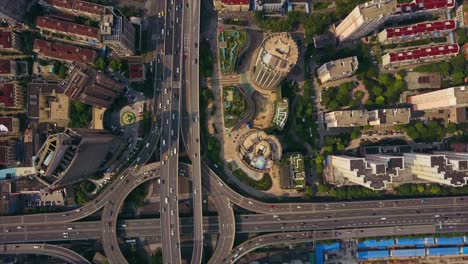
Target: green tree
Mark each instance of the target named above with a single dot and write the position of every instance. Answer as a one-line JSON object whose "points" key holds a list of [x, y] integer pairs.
{"points": [[115, 64], [380, 100], [376, 91], [451, 128], [100, 63], [62, 71]]}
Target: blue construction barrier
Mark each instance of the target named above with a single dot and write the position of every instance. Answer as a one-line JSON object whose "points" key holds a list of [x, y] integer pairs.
{"points": [[411, 241], [443, 251], [374, 254], [464, 250], [450, 241], [417, 252], [372, 243]]}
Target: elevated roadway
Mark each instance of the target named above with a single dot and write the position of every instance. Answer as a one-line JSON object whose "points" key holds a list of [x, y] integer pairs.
{"points": [[45, 249]]}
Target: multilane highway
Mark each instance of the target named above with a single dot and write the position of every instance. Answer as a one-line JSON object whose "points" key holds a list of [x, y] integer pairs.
{"points": [[447, 217]]}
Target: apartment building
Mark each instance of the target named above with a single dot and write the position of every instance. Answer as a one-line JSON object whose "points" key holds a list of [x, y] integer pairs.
{"points": [[373, 171], [75, 32], [337, 69], [77, 7], [449, 168], [356, 118], [13, 68], [445, 98], [231, 5], [269, 5], [11, 96], [420, 55], [417, 31], [11, 41], [61, 52]]}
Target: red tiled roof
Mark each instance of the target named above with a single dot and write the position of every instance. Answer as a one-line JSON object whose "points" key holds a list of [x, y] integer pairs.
{"points": [[235, 2], [5, 67], [79, 5], [421, 28], [135, 71], [61, 3], [7, 94], [88, 7], [5, 39], [424, 52], [66, 27], [63, 52], [419, 5]]}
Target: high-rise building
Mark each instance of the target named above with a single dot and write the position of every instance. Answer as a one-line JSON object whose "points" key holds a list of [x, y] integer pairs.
{"points": [[91, 87], [118, 33], [373, 171], [450, 168], [364, 19], [445, 98], [419, 55], [13, 12], [72, 156], [337, 69], [277, 56]]}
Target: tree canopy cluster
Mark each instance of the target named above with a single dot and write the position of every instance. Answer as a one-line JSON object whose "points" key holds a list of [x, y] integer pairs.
{"points": [[338, 97], [313, 25], [385, 90], [456, 69], [431, 131], [80, 114]]}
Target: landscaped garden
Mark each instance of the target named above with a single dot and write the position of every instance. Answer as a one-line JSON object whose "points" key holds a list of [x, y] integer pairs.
{"points": [[230, 43], [234, 105]]}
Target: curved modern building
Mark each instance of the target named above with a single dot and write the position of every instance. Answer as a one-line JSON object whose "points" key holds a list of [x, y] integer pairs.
{"points": [[276, 57], [72, 156]]}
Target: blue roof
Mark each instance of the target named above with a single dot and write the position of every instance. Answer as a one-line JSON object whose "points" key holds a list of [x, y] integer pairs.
{"points": [[8, 174], [321, 248], [376, 243], [443, 251], [375, 254], [450, 240], [411, 241], [332, 247], [417, 252], [464, 250], [319, 254]]}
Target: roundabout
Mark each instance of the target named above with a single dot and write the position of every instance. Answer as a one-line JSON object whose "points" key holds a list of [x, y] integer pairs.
{"points": [[127, 118]]}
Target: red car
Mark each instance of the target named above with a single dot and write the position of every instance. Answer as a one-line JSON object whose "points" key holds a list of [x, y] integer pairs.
{"points": [[271, 206]]}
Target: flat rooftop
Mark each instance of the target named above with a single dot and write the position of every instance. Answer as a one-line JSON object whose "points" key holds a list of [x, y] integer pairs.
{"points": [[280, 52]]}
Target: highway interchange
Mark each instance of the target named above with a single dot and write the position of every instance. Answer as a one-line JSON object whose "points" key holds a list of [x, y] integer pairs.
{"points": [[176, 113]]}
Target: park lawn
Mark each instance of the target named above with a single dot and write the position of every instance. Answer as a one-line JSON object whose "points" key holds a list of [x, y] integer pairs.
{"points": [[235, 108], [229, 66], [264, 184]]}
